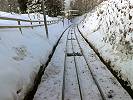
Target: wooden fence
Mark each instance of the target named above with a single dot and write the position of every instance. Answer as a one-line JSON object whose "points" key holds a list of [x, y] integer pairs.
{"points": [[24, 20]]}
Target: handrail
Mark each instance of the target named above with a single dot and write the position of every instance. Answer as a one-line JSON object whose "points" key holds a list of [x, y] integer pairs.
{"points": [[17, 19], [24, 20], [24, 26], [20, 26]]}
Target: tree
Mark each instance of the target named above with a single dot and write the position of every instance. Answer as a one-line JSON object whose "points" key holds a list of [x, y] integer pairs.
{"points": [[23, 5], [84, 5], [53, 7], [77, 5], [9, 5]]}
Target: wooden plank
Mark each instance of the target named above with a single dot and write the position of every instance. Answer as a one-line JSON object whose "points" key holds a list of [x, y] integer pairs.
{"points": [[75, 45], [52, 80], [17, 19], [71, 83], [23, 26], [89, 89], [69, 47], [108, 83], [24, 20], [20, 26]]}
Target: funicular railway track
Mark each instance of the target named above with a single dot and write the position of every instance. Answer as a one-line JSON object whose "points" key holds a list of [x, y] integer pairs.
{"points": [[91, 72], [76, 73], [73, 53]]}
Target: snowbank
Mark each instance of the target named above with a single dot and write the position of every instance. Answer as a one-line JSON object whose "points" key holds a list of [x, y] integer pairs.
{"points": [[109, 27], [21, 56]]}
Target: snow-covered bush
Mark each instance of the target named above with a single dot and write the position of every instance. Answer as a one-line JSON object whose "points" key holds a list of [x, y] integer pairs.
{"points": [[109, 28], [115, 19]]}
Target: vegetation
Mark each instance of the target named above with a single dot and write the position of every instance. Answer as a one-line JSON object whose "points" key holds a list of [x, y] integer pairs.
{"points": [[84, 5], [23, 5], [54, 7]]}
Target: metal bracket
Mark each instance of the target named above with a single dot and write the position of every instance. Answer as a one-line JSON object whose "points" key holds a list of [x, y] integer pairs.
{"points": [[74, 54]]}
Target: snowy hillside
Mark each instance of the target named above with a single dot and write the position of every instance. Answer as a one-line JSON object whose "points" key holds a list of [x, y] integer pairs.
{"points": [[109, 27], [21, 55]]}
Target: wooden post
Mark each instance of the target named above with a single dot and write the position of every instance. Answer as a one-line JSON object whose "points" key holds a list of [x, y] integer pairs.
{"points": [[68, 17], [19, 28], [38, 18], [44, 14], [30, 19], [63, 21]]}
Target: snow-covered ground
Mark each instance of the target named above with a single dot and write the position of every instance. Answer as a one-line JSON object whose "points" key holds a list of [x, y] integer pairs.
{"points": [[21, 55], [69, 77], [109, 27]]}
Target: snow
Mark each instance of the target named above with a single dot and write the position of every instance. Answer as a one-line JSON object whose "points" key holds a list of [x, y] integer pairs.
{"points": [[109, 27], [78, 77], [109, 85], [52, 80], [21, 55]]}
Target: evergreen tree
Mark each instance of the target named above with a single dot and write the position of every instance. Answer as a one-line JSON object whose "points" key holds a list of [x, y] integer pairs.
{"points": [[54, 7], [84, 5], [23, 5]]}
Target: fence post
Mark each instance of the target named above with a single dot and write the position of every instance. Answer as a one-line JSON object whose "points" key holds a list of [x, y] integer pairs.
{"points": [[38, 18], [44, 15], [68, 17], [30, 19], [63, 21], [20, 27]]}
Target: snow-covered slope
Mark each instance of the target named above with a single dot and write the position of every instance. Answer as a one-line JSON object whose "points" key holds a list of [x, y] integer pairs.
{"points": [[21, 56], [109, 27]]}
